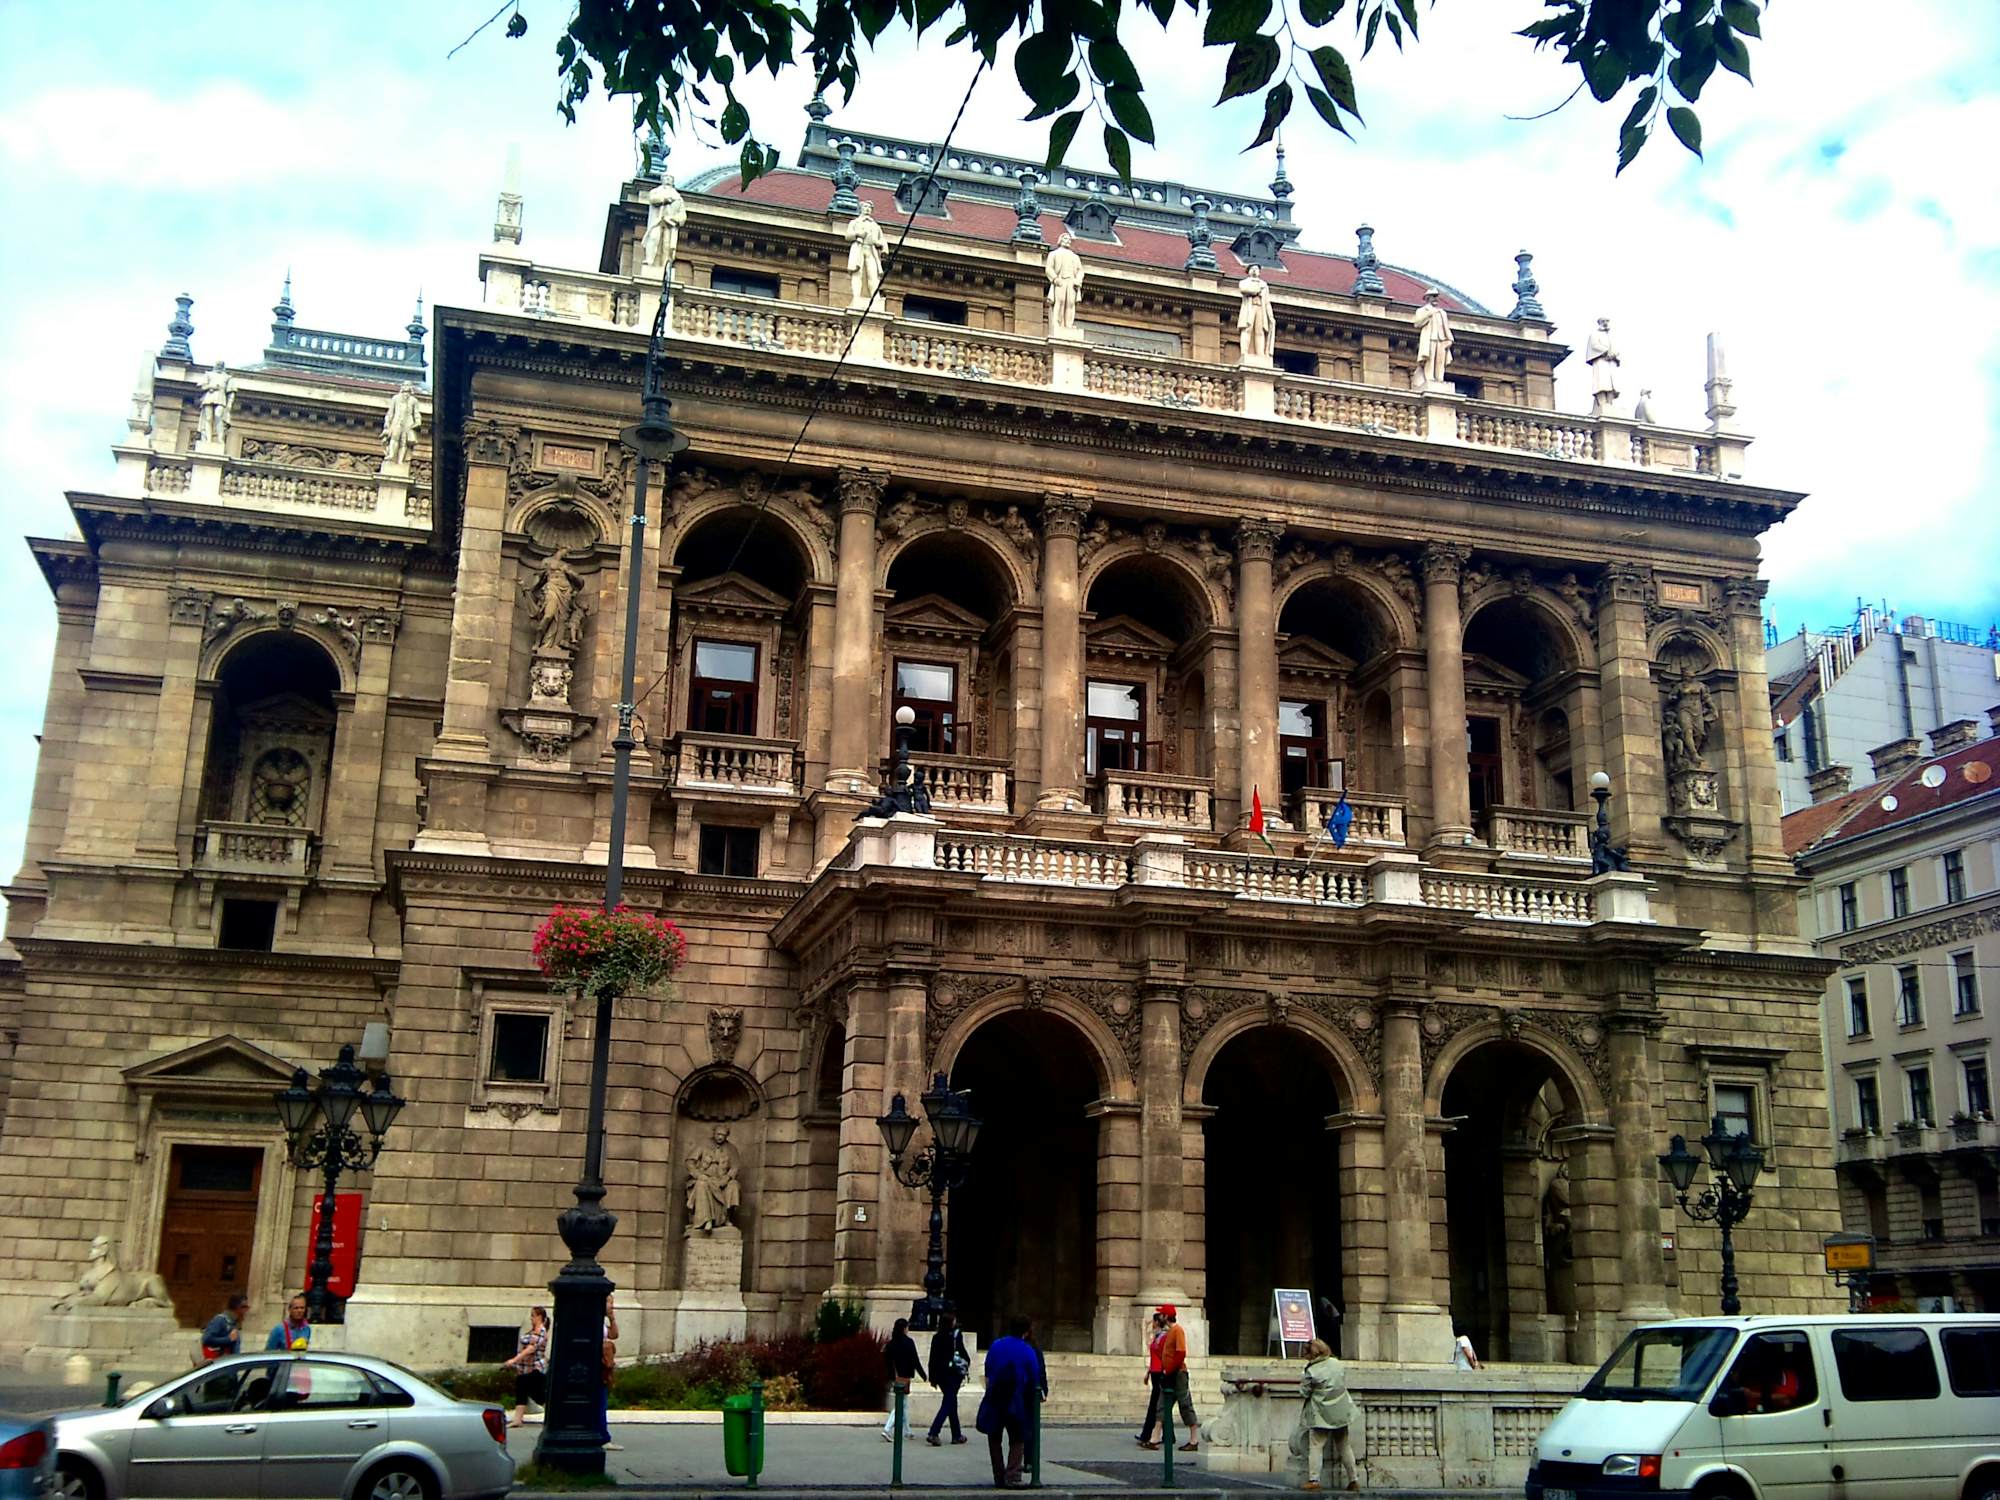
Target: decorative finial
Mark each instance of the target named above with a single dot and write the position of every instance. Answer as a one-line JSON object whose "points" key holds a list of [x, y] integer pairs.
{"points": [[817, 109], [139, 421], [845, 199], [179, 332], [415, 327], [283, 311], [507, 214], [1201, 257], [653, 152], [1367, 269], [1526, 291], [1028, 210], [1281, 185], [1721, 399]]}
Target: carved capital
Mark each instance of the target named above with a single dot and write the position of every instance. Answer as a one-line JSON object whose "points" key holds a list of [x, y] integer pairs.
{"points": [[1063, 515], [1257, 540], [1744, 596], [188, 606], [1625, 583], [860, 489], [491, 442], [380, 626], [1442, 562]]}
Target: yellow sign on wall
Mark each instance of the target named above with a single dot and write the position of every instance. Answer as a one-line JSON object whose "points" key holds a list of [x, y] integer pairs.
{"points": [[1850, 1255]]}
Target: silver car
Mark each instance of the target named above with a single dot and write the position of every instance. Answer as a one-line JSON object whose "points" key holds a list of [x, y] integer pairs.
{"points": [[338, 1426]]}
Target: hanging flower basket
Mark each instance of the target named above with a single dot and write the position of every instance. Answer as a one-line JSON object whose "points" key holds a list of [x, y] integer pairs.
{"points": [[589, 951]]}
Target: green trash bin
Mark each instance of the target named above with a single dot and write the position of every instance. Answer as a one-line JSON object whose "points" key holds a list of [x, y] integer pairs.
{"points": [[743, 1434]]}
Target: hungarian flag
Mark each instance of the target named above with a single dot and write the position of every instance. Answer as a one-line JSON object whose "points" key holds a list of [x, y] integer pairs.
{"points": [[1257, 818]]}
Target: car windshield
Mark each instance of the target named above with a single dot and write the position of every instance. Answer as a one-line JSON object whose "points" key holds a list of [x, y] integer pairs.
{"points": [[1662, 1364]]}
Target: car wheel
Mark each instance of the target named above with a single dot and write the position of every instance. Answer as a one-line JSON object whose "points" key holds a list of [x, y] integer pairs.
{"points": [[76, 1480], [402, 1479], [1985, 1486]]}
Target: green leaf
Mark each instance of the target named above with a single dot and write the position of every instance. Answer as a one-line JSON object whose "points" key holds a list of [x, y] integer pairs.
{"points": [[1319, 12], [1395, 29], [1732, 54], [1163, 10], [874, 16], [1233, 21], [1118, 151], [1112, 67], [1604, 71], [723, 71], [1129, 110], [928, 12], [755, 160], [1648, 97], [1277, 104], [1066, 93], [1336, 77], [1374, 20], [1742, 16], [1686, 128], [1060, 135], [1041, 63], [1251, 65], [1409, 10], [1328, 110], [735, 122], [1630, 142]]}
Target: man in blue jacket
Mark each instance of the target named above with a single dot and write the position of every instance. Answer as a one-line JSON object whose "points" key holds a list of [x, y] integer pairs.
{"points": [[1013, 1370]]}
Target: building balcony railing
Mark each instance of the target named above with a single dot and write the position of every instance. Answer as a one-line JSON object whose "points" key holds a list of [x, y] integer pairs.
{"points": [[963, 783], [1875, 1147], [296, 481], [1150, 799], [1527, 833], [734, 763], [255, 849], [1378, 821], [1174, 382], [1394, 879]]}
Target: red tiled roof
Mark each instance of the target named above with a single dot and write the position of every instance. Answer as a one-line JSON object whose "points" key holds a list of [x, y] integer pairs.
{"points": [[1969, 772], [994, 222]]}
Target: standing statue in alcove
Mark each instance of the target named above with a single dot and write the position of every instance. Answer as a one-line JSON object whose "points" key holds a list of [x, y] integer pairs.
{"points": [[1691, 714], [714, 1189], [556, 591]]}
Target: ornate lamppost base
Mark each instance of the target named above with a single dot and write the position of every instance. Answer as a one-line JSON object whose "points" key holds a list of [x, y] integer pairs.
{"points": [[573, 1428]]}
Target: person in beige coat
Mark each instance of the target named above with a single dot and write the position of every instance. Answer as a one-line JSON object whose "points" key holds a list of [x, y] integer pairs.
{"points": [[1326, 1411]]}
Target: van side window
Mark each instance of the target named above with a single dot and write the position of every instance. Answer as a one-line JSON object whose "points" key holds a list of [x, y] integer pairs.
{"points": [[1774, 1373], [1885, 1364], [1972, 1359]]}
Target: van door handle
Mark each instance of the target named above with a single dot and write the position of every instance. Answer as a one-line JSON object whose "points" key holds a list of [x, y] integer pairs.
{"points": [[364, 1423], [1826, 1416], [240, 1428]]}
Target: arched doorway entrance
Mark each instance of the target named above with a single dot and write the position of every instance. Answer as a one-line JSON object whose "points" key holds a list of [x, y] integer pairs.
{"points": [[1024, 1225], [1508, 1198], [1271, 1201]]}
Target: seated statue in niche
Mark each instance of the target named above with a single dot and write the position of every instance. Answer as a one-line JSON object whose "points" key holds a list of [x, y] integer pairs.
{"points": [[714, 1189]]}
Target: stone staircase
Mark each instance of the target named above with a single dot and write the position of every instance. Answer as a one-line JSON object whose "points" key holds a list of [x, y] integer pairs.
{"points": [[1105, 1388]]}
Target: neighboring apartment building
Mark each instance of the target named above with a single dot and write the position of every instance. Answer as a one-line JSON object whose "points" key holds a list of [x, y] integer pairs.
{"points": [[1905, 897], [328, 735], [1836, 693]]}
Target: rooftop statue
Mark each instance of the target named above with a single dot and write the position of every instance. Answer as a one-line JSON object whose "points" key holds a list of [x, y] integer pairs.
{"points": [[1065, 271], [399, 426], [666, 212], [1601, 354], [1433, 342], [1256, 323], [866, 245], [218, 396]]}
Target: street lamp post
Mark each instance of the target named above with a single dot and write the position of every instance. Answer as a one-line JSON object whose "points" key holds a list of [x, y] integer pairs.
{"points": [[573, 1431], [333, 1146], [1735, 1164], [1606, 858], [941, 1166]]}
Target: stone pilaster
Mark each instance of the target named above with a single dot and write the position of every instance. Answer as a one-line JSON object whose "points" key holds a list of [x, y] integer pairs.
{"points": [[859, 1170], [1594, 1239], [1642, 1275], [905, 1213], [354, 790], [1413, 1327], [1630, 710], [476, 644], [1444, 680], [62, 728], [854, 657], [1756, 800], [1257, 666], [1062, 655], [175, 757], [1162, 1277]]}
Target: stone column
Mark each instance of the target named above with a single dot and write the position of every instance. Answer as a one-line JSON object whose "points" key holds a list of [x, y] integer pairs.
{"points": [[904, 1235], [1162, 1230], [476, 646], [1257, 667], [1365, 1232], [1414, 1328], [354, 788], [858, 1173], [1756, 800], [1597, 1268], [860, 493], [1642, 1276], [1630, 708], [174, 757], [1062, 655], [1444, 678], [1120, 1231], [1526, 1291]]}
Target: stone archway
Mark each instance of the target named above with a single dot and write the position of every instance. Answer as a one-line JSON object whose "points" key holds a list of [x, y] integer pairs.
{"points": [[1024, 1227]]}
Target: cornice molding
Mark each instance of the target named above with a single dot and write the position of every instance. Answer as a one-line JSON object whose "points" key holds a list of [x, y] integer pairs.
{"points": [[93, 955]]}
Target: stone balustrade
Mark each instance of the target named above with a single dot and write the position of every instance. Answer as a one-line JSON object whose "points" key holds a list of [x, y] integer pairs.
{"points": [[971, 356], [963, 783], [1507, 898], [734, 763], [1545, 433], [756, 323], [1032, 861], [1321, 883], [1162, 382], [270, 484], [301, 480], [257, 849], [1528, 833], [1150, 799], [1378, 821], [1325, 404]]}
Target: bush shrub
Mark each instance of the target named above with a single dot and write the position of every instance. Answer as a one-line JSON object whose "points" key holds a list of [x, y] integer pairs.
{"points": [[835, 1321], [842, 1374], [848, 1374], [784, 1393], [476, 1383]]}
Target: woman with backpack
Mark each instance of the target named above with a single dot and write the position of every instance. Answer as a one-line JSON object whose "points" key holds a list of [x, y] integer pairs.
{"points": [[950, 1364]]}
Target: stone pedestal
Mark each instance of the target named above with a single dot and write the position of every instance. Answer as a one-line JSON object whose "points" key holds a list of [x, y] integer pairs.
{"points": [[711, 1301], [143, 1340]]}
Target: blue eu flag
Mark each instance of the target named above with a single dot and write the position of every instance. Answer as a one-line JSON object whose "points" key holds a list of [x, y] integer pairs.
{"points": [[1339, 820]]}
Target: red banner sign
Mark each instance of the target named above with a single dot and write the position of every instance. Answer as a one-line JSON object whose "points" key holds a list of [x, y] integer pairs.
{"points": [[346, 1242]]}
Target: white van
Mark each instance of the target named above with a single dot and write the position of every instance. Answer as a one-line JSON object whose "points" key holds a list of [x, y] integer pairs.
{"points": [[1863, 1407]]}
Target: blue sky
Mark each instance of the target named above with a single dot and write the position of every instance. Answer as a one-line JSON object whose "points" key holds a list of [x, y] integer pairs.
{"points": [[1843, 234]]}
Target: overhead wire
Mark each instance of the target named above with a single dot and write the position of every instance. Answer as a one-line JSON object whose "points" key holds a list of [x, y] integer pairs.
{"points": [[827, 380]]}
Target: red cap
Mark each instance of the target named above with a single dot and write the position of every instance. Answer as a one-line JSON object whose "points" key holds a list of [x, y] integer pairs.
{"points": [[1165, 1310]]}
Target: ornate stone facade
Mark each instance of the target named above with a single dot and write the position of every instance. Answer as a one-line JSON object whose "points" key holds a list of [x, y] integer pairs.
{"points": [[1125, 599]]}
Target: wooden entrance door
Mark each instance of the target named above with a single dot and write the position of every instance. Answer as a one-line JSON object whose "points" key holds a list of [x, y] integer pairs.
{"points": [[209, 1227]]}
